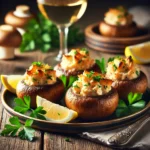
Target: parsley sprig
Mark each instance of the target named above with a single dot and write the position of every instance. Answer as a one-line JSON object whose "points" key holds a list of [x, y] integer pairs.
{"points": [[68, 83], [42, 34], [134, 104], [102, 64], [23, 105], [25, 132]]}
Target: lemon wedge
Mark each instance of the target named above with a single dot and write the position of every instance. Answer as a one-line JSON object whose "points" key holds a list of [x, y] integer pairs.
{"points": [[10, 82], [140, 52], [55, 112]]}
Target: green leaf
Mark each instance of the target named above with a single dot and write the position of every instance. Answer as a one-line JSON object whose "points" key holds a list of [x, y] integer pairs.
{"points": [[22, 106], [102, 65], [26, 133], [134, 97], [64, 80], [28, 122], [27, 100], [15, 121], [12, 128], [20, 109], [38, 113], [122, 111], [122, 104], [71, 80], [139, 104], [46, 37], [42, 34], [130, 95]]}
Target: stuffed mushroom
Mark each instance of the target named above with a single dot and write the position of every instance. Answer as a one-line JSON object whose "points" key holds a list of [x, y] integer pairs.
{"points": [[118, 23], [40, 79], [75, 62], [126, 76], [92, 96]]}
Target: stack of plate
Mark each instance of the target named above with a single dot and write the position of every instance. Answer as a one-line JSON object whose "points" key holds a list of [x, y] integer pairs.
{"points": [[95, 40]]}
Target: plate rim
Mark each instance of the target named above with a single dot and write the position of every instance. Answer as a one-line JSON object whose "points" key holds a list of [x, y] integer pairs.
{"points": [[9, 109]]}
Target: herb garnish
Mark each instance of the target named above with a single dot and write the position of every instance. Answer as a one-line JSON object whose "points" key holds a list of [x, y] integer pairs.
{"points": [[85, 50], [112, 58], [90, 74], [115, 67], [42, 34], [24, 132], [23, 105], [134, 104], [97, 78], [38, 63], [137, 73], [102, 64], [70, 82], [67, 139]]}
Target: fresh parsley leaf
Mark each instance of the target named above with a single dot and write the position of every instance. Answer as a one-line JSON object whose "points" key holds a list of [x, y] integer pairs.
{"points": [[71, 80], [24, 132], [134, 104], [64, 80], [38, 63], [42, 34], [38, 113], [22, 105], [132, 98], [102, 64], [12, 128], [27, 133]]}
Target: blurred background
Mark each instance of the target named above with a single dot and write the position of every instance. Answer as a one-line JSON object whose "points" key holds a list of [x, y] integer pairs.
{"points": [[94, 12]]}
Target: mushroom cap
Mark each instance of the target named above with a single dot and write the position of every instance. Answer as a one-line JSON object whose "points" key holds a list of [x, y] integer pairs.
{"points": [[17, 20], [9, 36]]}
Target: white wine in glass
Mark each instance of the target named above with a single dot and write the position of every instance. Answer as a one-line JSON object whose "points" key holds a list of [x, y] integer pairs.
{"points": [[63, 13]]}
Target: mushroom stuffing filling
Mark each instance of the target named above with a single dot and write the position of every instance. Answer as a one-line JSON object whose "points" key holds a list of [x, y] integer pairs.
{"points": [[118, 16], [77, 59], [91, 84], [40, 74], [122, 69]]}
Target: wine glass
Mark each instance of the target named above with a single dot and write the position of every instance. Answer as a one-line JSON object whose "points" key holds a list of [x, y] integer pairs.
{"points": [[63, 13]]}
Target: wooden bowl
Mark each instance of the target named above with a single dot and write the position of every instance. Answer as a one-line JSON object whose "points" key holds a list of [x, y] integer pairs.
{"points": [[96, 41]]}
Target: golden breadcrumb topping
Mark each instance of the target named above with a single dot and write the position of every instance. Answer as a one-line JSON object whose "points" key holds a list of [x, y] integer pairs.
{"points": [[91, 84], [40, 74], [118, 16], [77, 59], [121, 68]]}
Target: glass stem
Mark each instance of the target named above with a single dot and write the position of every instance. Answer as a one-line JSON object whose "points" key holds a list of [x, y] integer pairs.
{"points": [[63, 37]]}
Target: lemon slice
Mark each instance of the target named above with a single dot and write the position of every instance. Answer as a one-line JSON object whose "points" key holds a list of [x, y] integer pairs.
{"points": [[140, 52], [55, 112], [10, 81]]}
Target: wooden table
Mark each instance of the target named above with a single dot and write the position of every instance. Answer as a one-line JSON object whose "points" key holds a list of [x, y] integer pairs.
{"points": [[44, 140]]}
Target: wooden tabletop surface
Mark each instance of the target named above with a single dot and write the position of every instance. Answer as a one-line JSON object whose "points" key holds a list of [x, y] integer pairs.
{"points": [[45, 140]]}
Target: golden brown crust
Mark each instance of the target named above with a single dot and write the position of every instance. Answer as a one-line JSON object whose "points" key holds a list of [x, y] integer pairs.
{"points": [[15, 21], [10, 38], [52, 92], [92, 107], [138, 85], [117, 31], [60, 71]]}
